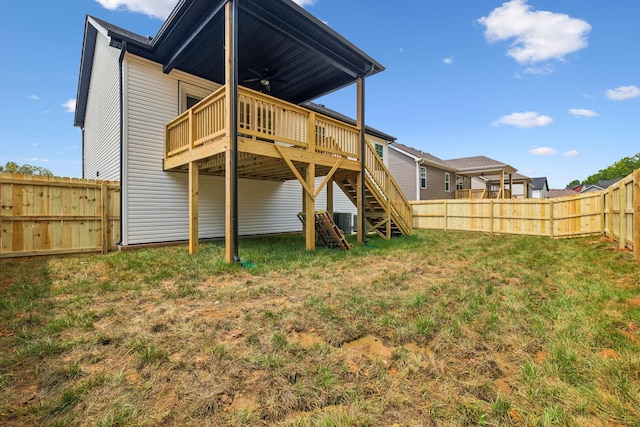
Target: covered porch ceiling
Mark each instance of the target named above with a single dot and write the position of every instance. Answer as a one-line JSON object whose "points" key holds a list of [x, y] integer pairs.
{"points": [[278, 41]]}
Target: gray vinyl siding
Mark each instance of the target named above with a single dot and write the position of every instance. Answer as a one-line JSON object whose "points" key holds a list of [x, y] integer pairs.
{"points": [[101, 154], [403, 169], [435, 185]]}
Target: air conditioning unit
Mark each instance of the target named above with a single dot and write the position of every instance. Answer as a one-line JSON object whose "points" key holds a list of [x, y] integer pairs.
{"points": [[343, 221]]}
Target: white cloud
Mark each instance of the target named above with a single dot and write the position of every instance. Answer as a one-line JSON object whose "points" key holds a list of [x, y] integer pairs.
{"points": [[582, 112], [70, 106], [34, 97], [623, 92], [543, 151], [158, 8], [448, 60], [34, 160], [153, 8], [572, 153], [528, 119], [543, 70], [539, 35]]}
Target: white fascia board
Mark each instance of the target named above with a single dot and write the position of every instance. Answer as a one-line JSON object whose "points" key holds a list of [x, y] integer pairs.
{"points": [[99, 28]]}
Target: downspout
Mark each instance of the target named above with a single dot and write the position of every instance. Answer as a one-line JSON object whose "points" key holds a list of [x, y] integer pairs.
{"points": [[123, 50], [362, 219]]}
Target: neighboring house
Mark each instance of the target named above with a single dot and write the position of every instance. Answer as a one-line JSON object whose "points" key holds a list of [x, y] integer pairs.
{"points": [[188, 170], [423, 176], [420, 175], [519, 186], [539, 188], [564, 192], [474, 185], [600, 185]]}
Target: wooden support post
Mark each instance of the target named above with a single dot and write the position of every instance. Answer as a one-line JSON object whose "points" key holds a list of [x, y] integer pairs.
{"points": [[501, 192], [387, 186], [362, 221], [330, 197], [104, 219], [231, 115], [310, 210], [361, 226], [193, 207], [636, 214]]}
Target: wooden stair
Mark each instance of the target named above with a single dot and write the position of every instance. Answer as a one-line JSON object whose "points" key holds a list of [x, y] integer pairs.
{"points": [[387, 211], [327, 232]]}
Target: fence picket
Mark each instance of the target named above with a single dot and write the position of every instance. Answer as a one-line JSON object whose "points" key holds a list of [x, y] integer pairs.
{"points": [[51, 215]]}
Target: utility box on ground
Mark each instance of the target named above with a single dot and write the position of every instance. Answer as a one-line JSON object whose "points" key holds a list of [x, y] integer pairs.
{"points": [[343, 221]]}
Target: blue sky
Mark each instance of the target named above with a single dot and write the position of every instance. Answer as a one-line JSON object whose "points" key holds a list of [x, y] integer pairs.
{"points": [[551, 87]]}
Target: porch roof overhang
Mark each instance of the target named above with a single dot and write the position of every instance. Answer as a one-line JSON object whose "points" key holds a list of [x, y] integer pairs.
{"points": [[306, 58]]}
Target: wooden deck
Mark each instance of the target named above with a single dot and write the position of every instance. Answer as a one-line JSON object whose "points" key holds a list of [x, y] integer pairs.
{"points": [[482, 194], [280, 141]]}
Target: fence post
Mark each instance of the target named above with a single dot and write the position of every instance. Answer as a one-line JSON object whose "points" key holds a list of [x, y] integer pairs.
{"points": [[446, 216], [104, 219], [609, 196], [623, 216], [491, 216], [551, 219], [636, 214]]}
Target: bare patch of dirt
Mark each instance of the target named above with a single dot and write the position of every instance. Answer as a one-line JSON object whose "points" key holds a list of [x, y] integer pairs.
{"points": [[541, 356], [370, 347], [306, 339], [609, 354], [634, 302]]}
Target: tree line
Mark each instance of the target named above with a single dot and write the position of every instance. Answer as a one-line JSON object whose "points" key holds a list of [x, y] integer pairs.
{"points": [[13, 167], [619, 169]]}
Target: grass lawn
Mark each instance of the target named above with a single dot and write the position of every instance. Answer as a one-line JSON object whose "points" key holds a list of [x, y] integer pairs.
{"points": [[436, 329]]}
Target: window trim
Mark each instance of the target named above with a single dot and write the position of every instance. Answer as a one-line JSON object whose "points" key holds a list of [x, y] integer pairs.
{"points": [[188, 90], [423, 180], [447, 182], [380, 153]]}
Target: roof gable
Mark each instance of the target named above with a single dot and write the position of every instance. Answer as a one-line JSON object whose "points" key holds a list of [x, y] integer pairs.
{"points": [[422, 157]]}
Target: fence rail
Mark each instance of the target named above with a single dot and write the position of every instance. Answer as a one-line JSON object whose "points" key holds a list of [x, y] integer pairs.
{"points": [[614, 212], [50, 215]]}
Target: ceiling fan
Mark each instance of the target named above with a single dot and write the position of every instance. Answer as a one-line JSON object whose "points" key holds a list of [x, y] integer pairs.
{"points": [[265, 77]]}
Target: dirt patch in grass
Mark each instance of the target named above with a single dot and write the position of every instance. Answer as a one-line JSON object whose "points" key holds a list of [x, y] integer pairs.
{"points": [[436, 329]]}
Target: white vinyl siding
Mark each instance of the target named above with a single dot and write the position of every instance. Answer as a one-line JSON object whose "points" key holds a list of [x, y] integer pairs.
{"points": [[101, 154], [155, 207]]}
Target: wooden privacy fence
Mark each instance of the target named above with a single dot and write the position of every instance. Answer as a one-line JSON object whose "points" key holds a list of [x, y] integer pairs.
{"points": [[42, 215], [614, 212]]}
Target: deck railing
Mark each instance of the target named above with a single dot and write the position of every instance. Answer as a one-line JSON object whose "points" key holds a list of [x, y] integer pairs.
{"points": [[481, 194], [390, 189], [260, 117]]}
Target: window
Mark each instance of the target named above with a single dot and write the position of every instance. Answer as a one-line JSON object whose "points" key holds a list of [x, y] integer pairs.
{"points": [[380, 151], [190, 95], [423, 177], [459, 182], [447, 182], [192, 100]]}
